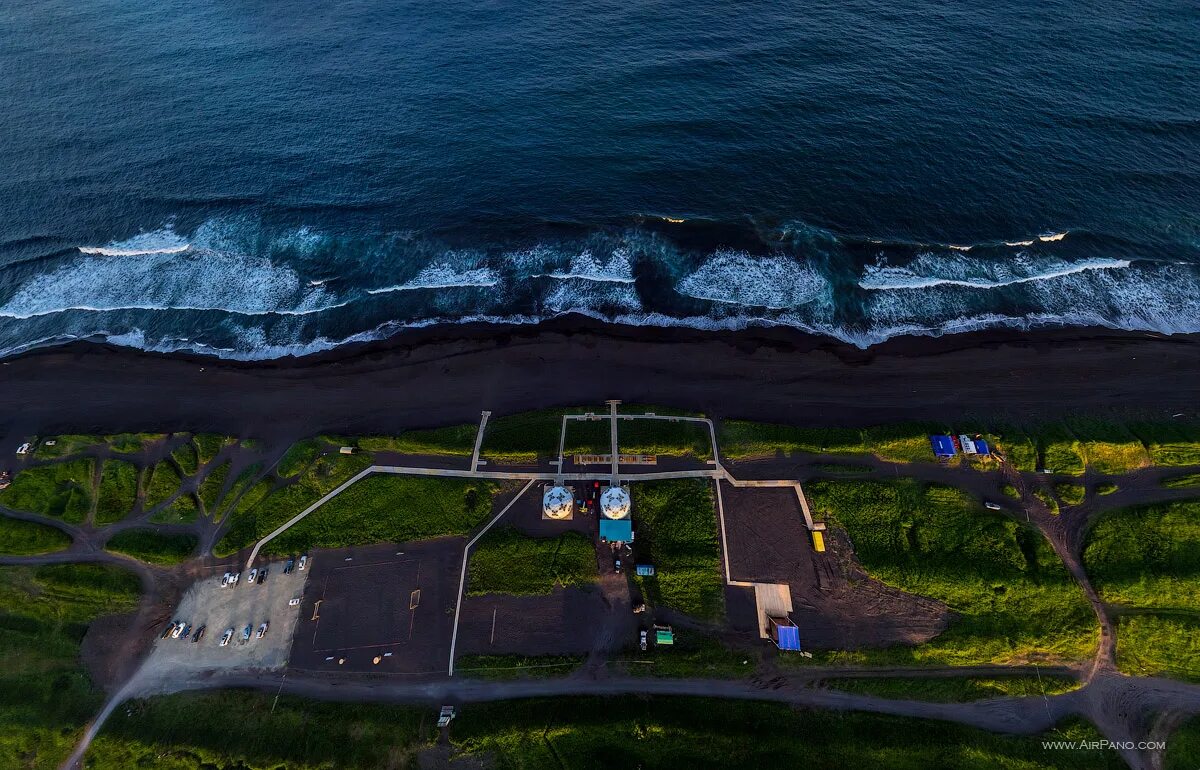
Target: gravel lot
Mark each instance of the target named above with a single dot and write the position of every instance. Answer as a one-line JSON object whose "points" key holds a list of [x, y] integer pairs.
{"points": [[206, 603]]}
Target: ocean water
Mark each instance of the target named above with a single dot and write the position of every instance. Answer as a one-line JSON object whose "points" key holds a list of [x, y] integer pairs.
{"points": [[253, 180]]}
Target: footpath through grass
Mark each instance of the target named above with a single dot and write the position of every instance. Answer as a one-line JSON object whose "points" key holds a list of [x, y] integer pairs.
{"points": [[253, 731], [44, 614], [506, 561], [1013, 598], [605, 733], [676, 531]]}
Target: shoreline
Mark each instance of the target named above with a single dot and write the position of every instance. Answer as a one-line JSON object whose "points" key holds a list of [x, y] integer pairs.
{"points": [[447, 374]]}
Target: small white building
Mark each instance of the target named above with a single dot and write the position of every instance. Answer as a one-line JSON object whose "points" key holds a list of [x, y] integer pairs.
{"points": [[614, 503]]}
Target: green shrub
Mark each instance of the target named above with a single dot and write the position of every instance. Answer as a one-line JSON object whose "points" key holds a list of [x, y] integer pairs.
{"points": [[62, 489], [1048, 499], [1010, 491], [1147, 556], [1071, 494], [212, 486], [506, 561]]}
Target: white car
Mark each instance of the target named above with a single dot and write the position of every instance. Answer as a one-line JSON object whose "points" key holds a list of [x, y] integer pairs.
{"points": [[294, 602], [303, 562], [24, 449], [253, 574], [179, 626], [228, 576], [226, 636], [991, 506], [262, 630]]}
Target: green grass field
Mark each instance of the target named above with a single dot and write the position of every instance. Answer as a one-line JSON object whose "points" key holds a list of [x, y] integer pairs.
{"points": [[131, 443], [1160, 645], [244, 730], [523, 437], [211, 488], [1183, 747], [48, 698], [1170, 444], [1014, 599], [506, 561], [1147, 557], [379, 508], [507, 667], [1070, 494], [696, 732], [118, 491], [676, 530], [955, 689], [453, 440], [160, 483], [152, 546], [740, 439], [64, 445], [298, 457], [23, 538], [663, 437], [694, 654], [1187, 481], [62, 489]]}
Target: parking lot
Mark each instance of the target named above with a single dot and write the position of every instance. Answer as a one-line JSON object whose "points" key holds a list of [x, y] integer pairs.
{"points": [[218, 608]]}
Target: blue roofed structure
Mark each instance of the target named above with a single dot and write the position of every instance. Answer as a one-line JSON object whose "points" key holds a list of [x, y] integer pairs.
{"points": [[616, 530], [981, 447], [943, 446], [784, 633]]}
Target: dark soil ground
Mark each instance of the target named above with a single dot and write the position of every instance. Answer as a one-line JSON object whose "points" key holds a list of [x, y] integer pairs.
{"points": [[565, 622], [834, 603], [365, 608]]}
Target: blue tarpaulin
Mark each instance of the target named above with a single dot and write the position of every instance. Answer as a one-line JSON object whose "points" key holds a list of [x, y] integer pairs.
{"points": [[982, 447], [789, 638], [943, 446], [616, 530]]}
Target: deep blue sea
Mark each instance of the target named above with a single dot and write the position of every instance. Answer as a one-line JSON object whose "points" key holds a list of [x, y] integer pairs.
{"points": [[263, 178]]}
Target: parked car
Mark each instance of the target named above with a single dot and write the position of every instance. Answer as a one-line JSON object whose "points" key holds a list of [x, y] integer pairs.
{"points": [[199, 634], [617, 566], [291, 565], [225, 579], [178, 629], [303, 561], [187, 629], [226, 636], [253, 574], [168, 631], [262, 630], [991, 506], [246, 633], [262, 575], [642, 639], [294, 602], [236, 577]]}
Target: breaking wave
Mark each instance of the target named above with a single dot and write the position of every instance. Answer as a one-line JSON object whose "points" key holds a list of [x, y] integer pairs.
{"points": [[737, 278], [928, 271], [164, 241], [444, 276]]}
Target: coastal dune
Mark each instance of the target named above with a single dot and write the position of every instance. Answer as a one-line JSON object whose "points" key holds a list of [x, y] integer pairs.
{"points": [[445, 376]]}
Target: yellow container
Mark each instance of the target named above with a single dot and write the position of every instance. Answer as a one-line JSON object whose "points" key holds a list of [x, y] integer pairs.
{"points": [[818, 541]]}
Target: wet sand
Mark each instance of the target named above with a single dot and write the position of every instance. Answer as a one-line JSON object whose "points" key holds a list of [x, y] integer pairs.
{"points": [[446, 375]]}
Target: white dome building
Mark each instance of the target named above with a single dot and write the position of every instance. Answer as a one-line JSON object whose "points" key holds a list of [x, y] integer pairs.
{"points": [[557, 503], [614, 503]]}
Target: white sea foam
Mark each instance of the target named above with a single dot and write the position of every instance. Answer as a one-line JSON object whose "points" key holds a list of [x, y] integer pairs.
{"points": [[163, 241], [1051, 237], [737, 278], [930, 270], [444, 276], [584, 266]]}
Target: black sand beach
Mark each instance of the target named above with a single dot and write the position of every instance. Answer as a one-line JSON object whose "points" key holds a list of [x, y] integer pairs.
{"points": [[447, 375]]}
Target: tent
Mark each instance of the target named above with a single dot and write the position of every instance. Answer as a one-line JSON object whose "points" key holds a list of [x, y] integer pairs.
{"points": [[943, 446], [616, 530]]}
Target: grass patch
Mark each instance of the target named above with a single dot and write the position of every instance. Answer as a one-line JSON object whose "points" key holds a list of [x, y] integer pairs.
{"points": [[1020, 450], [209, 444], [118, 491], [955, 689], [1010, 491], [453, 440], [742, 440], [186, 458], [1071, 494], [1061, 452], [1182, 482], [1159, 645], [245, 729], [48, 698], [1049, 500], [130, 443], [1170, 444], [664, 437], [693, 655], [154, 547], [23, 538], [522, 438], [298, 457], [1106, 488], [212, 487], [699, 732], [65, 445], [1109, 447], [1147, 556], [378, 509], [63, 490], [507, 667], [164, 481], [1183, 747], [506, 561], [1013, 597], [677, 532]]}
